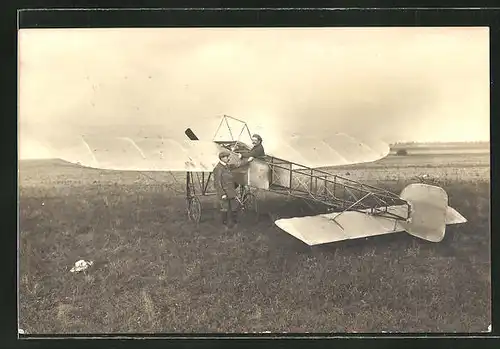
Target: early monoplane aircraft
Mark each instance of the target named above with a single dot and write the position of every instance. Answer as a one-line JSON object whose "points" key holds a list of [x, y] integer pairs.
{"points": [[355, 210]]}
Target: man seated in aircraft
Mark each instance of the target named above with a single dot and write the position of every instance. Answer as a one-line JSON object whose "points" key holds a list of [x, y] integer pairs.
{"points": [[257, 150]]}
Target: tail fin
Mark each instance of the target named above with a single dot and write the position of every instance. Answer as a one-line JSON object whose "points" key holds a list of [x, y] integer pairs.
{"points": [[429, 212]]}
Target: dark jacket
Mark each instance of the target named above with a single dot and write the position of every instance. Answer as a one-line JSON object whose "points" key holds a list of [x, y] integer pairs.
{"points": [[256, 152], [224, 180]]}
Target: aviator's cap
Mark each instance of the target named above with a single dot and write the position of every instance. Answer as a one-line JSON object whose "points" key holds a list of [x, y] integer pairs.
{"points": [[224, 153], [259, 138]]}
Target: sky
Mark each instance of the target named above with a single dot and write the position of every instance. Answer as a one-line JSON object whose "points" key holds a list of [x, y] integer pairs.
{"points": [[390, 84]]}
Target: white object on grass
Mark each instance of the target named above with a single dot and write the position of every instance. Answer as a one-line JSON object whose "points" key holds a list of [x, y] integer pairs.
{"points": [[81, 265]]}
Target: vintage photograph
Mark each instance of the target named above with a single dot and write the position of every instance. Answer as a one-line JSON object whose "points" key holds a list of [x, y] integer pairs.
{"points": [[254, 180]]}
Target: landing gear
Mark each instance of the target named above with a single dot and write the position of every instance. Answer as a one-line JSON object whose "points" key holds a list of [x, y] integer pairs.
{"points": [[249, 206], [194, 209]]}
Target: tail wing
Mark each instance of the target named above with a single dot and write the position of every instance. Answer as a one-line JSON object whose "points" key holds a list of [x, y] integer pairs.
{"points": [[326, 228], [430, 214]]}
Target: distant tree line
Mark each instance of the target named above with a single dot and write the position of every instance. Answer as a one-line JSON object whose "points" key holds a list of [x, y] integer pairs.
{"points": [[414, 142]]}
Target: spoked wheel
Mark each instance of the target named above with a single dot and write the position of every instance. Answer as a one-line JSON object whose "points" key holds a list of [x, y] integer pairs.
{"points": [[250, 207], [194, 209]]}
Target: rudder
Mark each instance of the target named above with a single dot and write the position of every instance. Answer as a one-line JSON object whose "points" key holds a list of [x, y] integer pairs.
{"points": [[428, 207]]}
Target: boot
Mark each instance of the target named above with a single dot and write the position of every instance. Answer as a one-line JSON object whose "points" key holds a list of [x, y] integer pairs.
{"points": [[223, 216], [234, 218], [230, 223]]}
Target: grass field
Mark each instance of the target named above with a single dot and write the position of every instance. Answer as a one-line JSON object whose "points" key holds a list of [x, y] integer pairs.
{"points": [[155, 271]]}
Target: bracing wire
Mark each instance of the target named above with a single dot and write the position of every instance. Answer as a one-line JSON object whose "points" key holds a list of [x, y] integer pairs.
{"points": [[169, 186]]}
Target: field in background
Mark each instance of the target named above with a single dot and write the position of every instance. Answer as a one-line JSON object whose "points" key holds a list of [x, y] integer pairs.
{"points": [[156, 272]]}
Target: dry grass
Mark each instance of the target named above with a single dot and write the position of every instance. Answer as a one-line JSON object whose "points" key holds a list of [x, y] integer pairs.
{"points": [[156, 272]]}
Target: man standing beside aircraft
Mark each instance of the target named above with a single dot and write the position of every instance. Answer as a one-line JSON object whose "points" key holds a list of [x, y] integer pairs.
{"points": [[225, 187]]}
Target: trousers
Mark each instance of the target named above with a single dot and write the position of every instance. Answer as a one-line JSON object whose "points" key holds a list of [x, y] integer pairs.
{"points": [[229, 205], [229, 212]]}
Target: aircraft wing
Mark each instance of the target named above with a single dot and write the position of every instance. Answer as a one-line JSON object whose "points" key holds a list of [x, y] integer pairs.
{"points": [[137, 154], [163, 154], [336, 150], [157, 154]]}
